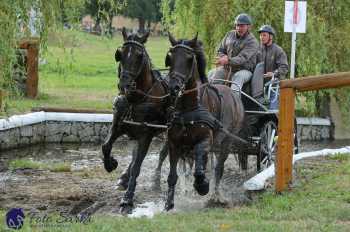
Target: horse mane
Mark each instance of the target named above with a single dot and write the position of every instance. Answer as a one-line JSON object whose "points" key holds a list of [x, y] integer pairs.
{"points": [[200, 56]]}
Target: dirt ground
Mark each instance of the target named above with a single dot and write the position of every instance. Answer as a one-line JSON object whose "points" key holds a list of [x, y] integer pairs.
{"points": [[88, 188]]}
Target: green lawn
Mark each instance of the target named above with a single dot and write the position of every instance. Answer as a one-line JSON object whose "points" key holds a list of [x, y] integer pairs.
{"points": [[320, 201], [80, 72]]}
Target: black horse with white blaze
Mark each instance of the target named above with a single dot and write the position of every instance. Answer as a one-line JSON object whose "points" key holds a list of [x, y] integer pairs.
{"points": [[143, 102]]}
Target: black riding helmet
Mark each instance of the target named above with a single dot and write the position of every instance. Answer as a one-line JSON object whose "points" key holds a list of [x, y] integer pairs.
{"points": [[268, 29], [243, 19]]}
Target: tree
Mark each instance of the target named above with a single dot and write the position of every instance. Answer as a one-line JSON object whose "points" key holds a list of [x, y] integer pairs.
{"points": [[16, 24], [324, 48], [15, 20], [71, 11], [146, 11], [103, 11]]}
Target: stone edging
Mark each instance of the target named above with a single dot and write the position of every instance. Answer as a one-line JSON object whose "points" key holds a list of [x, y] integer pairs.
{"points": [[43, 127], [39, 117]]}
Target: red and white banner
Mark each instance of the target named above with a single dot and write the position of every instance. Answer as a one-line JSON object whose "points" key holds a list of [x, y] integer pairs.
{"points": [[295, 12]]}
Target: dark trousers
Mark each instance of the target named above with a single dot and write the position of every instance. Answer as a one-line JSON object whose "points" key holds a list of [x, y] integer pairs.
{"points": [[257, 82]]}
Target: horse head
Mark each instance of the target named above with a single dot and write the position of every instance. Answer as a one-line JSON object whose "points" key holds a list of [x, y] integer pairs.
{"points": [[182, 59], [133, 60]]}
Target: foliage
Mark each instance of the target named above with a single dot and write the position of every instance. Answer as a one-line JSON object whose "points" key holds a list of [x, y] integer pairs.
{"points": [[15, 20], [29, 163], [71, 11], [16, 24], [144, 11], [325, 47], [103, 11]]}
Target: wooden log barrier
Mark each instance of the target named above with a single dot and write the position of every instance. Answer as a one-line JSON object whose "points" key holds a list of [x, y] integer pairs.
{"points": [[284, 164]]}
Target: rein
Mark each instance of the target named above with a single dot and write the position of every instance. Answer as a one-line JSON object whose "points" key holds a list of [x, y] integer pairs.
{"points": [[149, 95], [194, 89]]}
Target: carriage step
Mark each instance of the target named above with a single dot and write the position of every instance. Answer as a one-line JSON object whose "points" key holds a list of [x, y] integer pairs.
{"points": [[255, 139]]}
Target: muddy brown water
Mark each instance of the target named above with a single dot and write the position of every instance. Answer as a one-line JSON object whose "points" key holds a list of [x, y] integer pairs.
{"points": [[88, 188]]}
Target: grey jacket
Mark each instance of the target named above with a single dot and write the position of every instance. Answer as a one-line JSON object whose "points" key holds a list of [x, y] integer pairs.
{"points": [[275, 60], [242, 51]]}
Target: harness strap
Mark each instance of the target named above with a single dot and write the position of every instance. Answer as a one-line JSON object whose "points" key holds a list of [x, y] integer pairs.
{"points": [[194, 89]]}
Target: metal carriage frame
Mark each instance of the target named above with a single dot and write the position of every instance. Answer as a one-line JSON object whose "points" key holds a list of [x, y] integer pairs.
{"points": [[262, 133]]}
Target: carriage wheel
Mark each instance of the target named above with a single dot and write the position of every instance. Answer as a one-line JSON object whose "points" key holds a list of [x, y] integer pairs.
{"points": [[268, 145]]}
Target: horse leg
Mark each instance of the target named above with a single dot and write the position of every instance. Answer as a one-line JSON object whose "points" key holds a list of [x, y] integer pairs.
{"points": [[109, 162], [122, 183], [201, 183], [219, 170], [172, 177], [157, 175], [120, 107], [142, 147]]}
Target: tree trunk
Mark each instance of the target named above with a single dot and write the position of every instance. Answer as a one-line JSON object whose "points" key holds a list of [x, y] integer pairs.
{"points": [[110, 29], [141, 25], [323, 104], [149, 25], [97, 27]]}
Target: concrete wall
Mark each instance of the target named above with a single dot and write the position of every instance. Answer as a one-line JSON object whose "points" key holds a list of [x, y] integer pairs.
{"points": [[314, 128], [54, 131], [341, 127], [41, 127]]}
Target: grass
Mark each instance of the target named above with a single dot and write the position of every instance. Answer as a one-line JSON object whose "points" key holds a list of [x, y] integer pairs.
{"points": [[80, 72], [320, 202], [28, 163]]}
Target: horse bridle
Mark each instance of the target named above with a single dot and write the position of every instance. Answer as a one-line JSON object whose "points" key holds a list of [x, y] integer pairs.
{"points": [[134, 75], [180, 76]]}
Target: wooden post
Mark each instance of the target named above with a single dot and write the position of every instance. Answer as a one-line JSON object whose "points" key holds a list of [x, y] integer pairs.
{"points": [[32, 46], [284, 161], [32, 70]]}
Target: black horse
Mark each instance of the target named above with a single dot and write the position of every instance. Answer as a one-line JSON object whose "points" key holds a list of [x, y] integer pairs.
{"points": [[139, 111], [205, 117]]}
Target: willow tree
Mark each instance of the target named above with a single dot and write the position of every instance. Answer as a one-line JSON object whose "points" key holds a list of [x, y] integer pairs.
{"points": [[19, 19], [324, 48]]}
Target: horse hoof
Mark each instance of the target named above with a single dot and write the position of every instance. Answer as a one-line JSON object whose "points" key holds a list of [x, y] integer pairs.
{"points": [[122, 185], [169, 206], [201, 186], [125, 210], [110, 164]]}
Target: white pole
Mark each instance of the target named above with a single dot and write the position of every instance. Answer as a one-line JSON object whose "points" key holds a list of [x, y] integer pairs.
{"points": [[294, 39], [292, 62]]}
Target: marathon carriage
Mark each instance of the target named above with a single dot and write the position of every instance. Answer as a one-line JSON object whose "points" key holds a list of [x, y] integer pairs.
{"points": [[262, 119]]}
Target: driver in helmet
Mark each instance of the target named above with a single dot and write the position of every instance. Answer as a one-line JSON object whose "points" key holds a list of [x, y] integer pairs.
{"points": [[273, 62], [237, 54]]}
